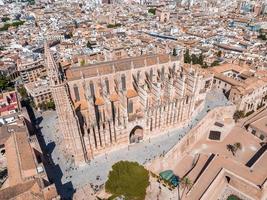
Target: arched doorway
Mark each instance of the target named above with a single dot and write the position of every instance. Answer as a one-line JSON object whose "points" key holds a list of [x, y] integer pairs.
{"points": [[136, 134]]}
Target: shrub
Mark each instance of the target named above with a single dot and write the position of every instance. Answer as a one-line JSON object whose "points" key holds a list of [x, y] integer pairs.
{"points": [[262, 137], [51, 105], [113, 25], [233, 197], [238, 114], [249, 113], [5, 19], [16, 24], [152, 11]]}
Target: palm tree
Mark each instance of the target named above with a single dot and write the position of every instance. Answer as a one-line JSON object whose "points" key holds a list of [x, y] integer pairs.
{"points": [[185, 184], [178, 190], [231, 148], [238, 145]]}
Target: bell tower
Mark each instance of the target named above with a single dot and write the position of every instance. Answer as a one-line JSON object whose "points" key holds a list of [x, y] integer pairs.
{"points": [[68, 122]]}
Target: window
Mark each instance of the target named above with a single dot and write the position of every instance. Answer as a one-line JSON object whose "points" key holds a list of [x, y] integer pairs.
{"points": [[162, 73], [107, 85], [130, 106], [151, 74], [76, 92], [138, 76], [123, 82], [92, 89]]}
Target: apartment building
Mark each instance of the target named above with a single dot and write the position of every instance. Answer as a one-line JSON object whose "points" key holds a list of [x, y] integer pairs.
{"points": [[31, 71]]}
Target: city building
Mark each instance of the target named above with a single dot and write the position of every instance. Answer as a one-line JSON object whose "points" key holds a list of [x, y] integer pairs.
{"points": [[31, 71], [39, 91], [22, 158], [241, 86], [9, 107]]}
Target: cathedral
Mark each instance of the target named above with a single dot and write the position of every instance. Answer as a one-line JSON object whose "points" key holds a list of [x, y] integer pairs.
{"points": [[117, 103]]}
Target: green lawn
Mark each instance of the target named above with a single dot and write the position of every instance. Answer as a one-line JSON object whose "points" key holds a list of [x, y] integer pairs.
{"points": [[128, 179]]}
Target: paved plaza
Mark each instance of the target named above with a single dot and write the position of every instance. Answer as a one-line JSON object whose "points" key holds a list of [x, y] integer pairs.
{"points": [[96, 172]]}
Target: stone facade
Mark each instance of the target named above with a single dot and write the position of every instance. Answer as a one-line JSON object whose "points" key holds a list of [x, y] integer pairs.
{"points": [[31, 71], [39, 91], [101, 106]]}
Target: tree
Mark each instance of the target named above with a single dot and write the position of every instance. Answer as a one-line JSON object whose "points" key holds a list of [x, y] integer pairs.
{"points": [[7, 25], [23, 92], [88, 45], [152, 11], [51, 105], [4, 82], [201, 59], [205, 65], [113, 25], [68, 35], [185, 184], [231, 148], [174, 53], [187, 58], [219, 53], [128, 179], [82, 62], [261, 36], [215, 63], [238, 146], [194, 59], [238, 115], [5, 19], [233, 197], [262, 137], [249, 113]]}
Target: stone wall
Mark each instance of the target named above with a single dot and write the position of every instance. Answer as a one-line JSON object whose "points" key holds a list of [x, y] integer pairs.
{"points": [[190, 139]]}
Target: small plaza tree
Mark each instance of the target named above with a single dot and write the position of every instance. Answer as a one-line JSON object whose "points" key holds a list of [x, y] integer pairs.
{"points": [[234, 147], [186, 184], [231, 148], [238, 115], [238, 146], [128, 179]]}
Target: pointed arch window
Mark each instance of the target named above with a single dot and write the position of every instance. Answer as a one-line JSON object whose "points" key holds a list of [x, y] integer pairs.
{"points": [[92, 88], [151, 74], [76, 92], [162, 73], [107, 85], [130, 106], [138, 76], [123, 82]]}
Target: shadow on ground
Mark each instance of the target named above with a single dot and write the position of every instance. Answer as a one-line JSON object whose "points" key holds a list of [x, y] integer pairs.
{"points": [[53, 170]]}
